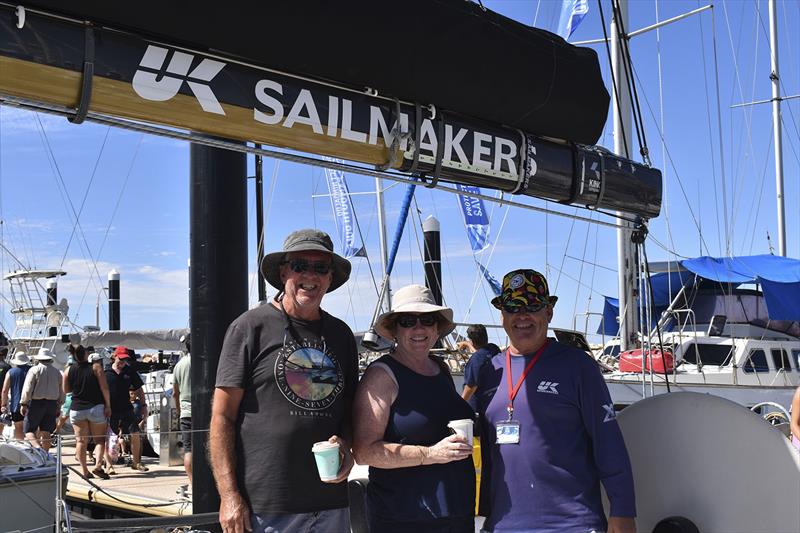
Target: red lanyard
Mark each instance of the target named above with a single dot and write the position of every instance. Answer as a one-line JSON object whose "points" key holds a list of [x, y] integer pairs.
{"points": [[513, 390]]}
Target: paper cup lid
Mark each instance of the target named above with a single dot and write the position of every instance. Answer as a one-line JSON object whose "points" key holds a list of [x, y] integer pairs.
{"points": [[323, 446], [460, 422]]}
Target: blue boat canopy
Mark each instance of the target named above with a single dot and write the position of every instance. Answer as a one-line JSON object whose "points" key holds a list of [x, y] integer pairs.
{"points": [[778, 278]]}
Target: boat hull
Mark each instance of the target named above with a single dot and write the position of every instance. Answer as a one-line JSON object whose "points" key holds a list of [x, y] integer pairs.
{"points": [[626, 392]]}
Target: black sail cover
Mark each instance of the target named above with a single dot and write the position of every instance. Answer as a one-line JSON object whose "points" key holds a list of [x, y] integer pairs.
{"points": [[424, 86]]}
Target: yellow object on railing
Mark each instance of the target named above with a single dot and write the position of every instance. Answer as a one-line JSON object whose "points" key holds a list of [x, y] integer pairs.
{"points": [[476, 460]]}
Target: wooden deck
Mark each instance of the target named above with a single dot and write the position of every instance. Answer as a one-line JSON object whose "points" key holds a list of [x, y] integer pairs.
{"points": [[154, 493]]}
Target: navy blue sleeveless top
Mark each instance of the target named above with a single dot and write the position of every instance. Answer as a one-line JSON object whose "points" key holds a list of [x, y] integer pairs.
{"points": [[419, 415], [17, 376]]}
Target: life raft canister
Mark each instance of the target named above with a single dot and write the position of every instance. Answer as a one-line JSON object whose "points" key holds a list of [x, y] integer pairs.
{"points": [[631, 361]]}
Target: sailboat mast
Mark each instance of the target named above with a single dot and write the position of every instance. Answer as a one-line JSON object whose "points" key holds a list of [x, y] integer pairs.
{"points": [[387, 291], [626, 252], [776, 125]]}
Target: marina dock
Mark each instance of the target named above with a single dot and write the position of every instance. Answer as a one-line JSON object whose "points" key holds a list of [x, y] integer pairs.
{"points": [[159, 492]]}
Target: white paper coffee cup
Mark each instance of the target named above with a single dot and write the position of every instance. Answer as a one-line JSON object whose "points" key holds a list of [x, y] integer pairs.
{"points": [[326, 454], [462, 428]]}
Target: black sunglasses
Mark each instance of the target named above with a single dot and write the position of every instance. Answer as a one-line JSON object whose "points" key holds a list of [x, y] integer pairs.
{"points": [[302, 265], [530, 308], [409, 321]]}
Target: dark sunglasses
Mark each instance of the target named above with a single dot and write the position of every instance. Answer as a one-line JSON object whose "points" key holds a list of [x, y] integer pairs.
{"points": [[409, 321], [302, 265], [530, 308]]}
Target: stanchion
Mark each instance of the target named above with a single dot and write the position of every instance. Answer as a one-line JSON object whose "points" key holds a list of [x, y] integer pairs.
{"points": [[59, 487]]}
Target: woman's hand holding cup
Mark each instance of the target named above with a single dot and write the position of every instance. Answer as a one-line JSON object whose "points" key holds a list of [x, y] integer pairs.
{"points": [[451, 448]]}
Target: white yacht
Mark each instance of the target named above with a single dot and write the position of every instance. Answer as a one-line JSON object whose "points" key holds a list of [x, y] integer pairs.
{"points": [[718, 336], [28, 484]]}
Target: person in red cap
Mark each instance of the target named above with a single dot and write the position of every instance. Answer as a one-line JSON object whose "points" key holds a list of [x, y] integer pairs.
{"points": [[550, 434], [122, 379]]}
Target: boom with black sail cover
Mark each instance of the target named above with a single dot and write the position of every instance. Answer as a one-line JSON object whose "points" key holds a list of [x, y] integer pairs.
{"points": [[439, 87]]}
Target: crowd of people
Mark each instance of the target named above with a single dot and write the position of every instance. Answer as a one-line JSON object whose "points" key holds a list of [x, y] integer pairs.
{"points": [[287, 381], [38, 400]]}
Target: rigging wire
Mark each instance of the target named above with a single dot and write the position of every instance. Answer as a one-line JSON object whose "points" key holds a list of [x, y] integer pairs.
{"points": [[86, 194], [64, 191], [613, 79], [649, 283], [737, 183], [594, 272], [711, 158], [580, 271], [663, 127], [719, 122], [627, 63], [566, 248], [675, 169], [113, 215], [760, 198]]}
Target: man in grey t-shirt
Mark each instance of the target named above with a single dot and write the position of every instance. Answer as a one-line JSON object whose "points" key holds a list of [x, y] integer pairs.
{"points": [[286, 379]]}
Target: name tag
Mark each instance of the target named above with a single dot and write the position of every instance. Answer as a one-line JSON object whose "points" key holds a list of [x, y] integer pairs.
{"points": [[507, 432]]}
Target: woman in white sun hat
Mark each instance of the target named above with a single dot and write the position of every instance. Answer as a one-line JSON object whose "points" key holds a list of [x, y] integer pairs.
{"points": [[421, 477]]}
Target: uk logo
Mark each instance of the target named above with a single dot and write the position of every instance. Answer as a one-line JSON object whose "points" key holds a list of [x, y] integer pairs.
{"points": [[548, 387], [610, 413], [159, 78]]}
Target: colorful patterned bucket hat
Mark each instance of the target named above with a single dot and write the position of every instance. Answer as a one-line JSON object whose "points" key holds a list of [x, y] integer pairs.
{"points": [[524, 287]]}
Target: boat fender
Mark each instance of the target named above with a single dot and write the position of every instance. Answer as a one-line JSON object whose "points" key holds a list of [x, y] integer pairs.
{"points": [[676, 524]]}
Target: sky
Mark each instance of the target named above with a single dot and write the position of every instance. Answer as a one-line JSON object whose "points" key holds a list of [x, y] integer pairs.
{"points": [[130, 191]]}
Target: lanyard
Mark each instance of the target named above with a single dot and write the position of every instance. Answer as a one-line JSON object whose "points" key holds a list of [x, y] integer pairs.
{"points": [[513, 390]]}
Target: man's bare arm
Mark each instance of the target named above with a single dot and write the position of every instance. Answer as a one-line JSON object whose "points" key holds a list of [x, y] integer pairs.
{"points": [[6, 389], [234, 514]]}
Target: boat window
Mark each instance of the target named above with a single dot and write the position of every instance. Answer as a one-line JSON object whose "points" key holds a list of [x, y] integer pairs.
{"points": [[611, 349], [781, 360], [710, 354], [757, 362], [796, 359]]}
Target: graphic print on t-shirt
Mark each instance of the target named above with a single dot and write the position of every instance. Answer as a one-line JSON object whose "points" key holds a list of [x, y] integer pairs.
{"points": [[307, 375]]}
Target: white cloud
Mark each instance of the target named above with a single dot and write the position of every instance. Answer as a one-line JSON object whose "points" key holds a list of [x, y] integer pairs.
{"points": [[17, 121]]}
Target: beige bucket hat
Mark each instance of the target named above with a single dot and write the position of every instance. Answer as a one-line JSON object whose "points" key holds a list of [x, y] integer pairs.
{"points": [[414, 299], [20, 359], [44, 354]]}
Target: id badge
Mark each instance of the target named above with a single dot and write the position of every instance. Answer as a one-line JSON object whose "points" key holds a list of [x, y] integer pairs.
{"points": [[507, 432]]}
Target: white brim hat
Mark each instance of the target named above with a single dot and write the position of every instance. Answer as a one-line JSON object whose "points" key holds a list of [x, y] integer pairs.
{"points": [[414, 299], [44, 354], [20, 359]]}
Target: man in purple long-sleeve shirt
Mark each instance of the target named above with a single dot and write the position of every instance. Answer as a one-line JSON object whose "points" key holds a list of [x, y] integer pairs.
{"points": [[550, 430]]}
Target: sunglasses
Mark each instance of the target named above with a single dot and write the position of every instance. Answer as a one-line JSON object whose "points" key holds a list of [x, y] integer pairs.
{"points": [[530, 308], [409, 321], [299, 266]]}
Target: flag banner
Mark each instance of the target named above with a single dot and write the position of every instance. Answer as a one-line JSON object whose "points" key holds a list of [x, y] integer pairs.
{"points": [[572, 14], [343, 211], [475, 217], [491, 280]]}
